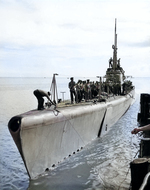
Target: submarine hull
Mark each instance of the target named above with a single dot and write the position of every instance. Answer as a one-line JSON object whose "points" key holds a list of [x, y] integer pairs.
{"points": [[45, 138]]}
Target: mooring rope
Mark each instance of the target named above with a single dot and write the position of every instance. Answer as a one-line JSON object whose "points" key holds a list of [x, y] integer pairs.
{"points": [[68, 120]]}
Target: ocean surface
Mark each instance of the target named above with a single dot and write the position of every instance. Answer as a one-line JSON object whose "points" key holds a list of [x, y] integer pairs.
{"points": [[102, 165]]}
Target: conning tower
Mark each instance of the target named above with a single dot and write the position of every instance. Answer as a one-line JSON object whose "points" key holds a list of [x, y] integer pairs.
{"points": [[115, 73]]}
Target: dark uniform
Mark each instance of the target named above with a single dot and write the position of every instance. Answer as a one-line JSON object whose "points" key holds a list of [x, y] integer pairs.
{"points": [[72, 89], [39, 95]]}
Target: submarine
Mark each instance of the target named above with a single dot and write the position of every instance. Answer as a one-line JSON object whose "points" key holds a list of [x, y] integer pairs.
{"points": [[46, 137]]}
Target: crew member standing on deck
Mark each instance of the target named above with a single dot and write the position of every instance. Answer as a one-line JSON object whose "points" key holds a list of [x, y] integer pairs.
{"points": [[39, 95], [72, 89]]}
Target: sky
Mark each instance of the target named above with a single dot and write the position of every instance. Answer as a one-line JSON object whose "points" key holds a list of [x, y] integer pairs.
{"points": [[73, 37]]}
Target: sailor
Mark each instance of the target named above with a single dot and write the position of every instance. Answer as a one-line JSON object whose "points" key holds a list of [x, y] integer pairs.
{"points": [[110, 62], [72, 89], [93, 90], [85, 91], [118, 63], [39, 95], [78, 91], [89, 89], [144, 128]]}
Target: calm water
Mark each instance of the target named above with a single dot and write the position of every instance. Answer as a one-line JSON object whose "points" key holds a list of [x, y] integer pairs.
{"points": [[104, 164]]}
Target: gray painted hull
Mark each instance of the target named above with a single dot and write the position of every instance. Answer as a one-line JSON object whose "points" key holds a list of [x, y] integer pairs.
{"points": [[45, 138]]}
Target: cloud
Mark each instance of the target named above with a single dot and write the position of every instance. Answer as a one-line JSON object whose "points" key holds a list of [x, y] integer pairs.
{"points": [[142, 44], [40, 37]]}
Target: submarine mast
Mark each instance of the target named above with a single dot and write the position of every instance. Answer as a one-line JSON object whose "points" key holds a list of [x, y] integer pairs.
{"points": [[115, 49], [115, 73]]}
